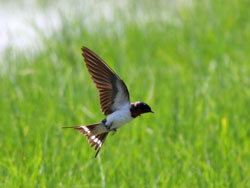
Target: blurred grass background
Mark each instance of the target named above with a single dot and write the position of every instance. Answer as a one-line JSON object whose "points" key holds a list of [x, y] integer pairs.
{"points": [[188, 60]]}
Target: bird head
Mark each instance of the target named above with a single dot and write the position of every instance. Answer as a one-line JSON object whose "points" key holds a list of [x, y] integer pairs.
{"points": [[139, 108]]}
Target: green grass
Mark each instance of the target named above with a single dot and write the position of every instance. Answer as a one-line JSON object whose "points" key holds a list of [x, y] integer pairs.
{"points": [[192, 69]]}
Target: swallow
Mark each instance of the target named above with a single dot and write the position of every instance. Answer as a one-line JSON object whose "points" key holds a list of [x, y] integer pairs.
{"points": [[114, 100]]}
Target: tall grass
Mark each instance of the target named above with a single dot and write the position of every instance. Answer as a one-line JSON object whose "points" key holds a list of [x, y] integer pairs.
{"points": [[190, 64]]}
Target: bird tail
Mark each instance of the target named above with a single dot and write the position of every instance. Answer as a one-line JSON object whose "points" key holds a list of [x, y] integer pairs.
{"points": [[95, 133]]}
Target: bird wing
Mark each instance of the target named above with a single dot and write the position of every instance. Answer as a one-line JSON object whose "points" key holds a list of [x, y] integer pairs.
{"points": [[113, 93]]}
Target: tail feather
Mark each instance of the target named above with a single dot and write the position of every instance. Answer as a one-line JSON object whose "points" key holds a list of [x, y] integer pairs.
{"points": [[102, 138], [95, 133]]}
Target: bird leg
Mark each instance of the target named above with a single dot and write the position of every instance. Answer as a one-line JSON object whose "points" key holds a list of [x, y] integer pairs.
{"points": [[110, 129]]}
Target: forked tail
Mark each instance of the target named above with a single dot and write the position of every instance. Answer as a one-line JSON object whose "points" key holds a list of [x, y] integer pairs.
{"points": [[95, 133]]}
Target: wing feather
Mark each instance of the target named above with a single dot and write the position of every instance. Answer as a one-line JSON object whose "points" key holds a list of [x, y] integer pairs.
{"points": [[113, 93]]}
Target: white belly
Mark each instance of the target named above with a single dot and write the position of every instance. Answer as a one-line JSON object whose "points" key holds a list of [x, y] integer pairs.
{"points": [[119, 118]]}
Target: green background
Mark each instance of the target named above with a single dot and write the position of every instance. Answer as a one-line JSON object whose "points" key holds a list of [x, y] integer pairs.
{"points": [[189, 61]]}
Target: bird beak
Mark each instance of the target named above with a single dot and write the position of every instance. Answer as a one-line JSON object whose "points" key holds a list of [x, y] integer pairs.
{"points": [[152, 111]]}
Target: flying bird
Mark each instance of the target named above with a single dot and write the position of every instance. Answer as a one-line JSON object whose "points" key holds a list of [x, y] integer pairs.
{"points": [[114, 101]]}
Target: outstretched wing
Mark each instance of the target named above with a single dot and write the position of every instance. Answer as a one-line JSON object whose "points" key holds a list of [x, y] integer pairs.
{"points": [[113, 93]]}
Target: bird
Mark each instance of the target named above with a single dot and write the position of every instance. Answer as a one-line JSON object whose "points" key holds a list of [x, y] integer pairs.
{"points": [[114, 101]]}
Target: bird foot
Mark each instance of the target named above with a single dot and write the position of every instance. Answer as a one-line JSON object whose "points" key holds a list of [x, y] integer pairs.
{"points": [[108, 126], [111, 130]]}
